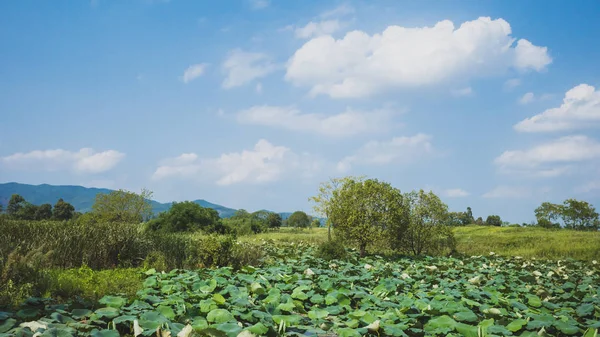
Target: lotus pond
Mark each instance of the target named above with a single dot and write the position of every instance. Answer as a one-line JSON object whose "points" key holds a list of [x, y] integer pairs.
{"points": [[307, 296]]}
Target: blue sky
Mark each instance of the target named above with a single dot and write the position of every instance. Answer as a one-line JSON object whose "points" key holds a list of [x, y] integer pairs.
{"points": [[252, 103]]}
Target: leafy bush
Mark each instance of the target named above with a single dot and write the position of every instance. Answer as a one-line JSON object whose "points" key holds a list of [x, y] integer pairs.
{"points": [[331, 250], [21, 276], [92, 285]]}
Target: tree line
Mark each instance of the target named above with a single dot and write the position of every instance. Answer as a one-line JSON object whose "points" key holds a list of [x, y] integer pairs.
{"points": [[368, 212], [128, 207], [20, 209], [122, 206]]}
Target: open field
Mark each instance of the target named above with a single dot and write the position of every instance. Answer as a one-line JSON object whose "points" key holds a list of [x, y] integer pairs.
{"points": [[480, 240], [528, 242]]}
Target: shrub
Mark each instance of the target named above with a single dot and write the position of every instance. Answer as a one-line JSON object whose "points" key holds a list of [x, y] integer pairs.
{"points": [[331, 250], [92, 285]]}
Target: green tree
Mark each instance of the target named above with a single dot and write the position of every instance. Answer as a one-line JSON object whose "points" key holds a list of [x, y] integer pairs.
{"points": [[63, 210], [1, 208], [427, 231], [364, 212], [15, 204], [493, 220], [316, 223], [43, 212], [241, 214], [467, 217], [274, 220], [580, 215], [123, 206], [479, 221], [455, 219], [298, 219], [187, 216], [27, 212], [322, 201], [547, 215]]}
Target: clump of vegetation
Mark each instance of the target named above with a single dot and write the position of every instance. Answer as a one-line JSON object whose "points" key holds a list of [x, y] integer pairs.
{"points": [[426, 231], [331, 250], [91, 285], [574, 214], [187, 216], [368, 212]]}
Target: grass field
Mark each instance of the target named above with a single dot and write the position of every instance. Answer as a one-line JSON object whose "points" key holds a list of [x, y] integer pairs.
{"points": [[481, 240], [528, 242]]}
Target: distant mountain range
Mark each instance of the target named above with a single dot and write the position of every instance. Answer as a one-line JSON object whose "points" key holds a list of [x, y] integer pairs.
{"points": [[82, 198]]}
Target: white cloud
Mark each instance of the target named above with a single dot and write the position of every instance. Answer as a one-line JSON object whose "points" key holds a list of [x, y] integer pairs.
{"points": [[264, 163], [194, 71], [512, 83], [468, 91], [509, 192], [399, 149], [455, 193], [244, 67], [313, 29], [580, 109], [360, 64], [550, 159], [527, 98], [85, 160], [347, 123], [260, 4], [529, 56]]}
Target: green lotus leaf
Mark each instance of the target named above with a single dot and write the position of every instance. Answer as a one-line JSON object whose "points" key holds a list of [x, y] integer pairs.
{"points": [[219, 316]]}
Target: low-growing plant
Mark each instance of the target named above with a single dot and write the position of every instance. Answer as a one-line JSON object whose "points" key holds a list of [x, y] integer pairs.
{"points": [[92, 285], [331, 250]]}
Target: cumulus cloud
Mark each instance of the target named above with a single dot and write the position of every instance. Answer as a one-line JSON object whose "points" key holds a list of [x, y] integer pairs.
{"points": [[85, 160], [243, 67], [347, 123], [264, 163], [360, 64], [580, 109], [313, 29], [550, 159], [527, 98], [399, 149], [455, 193], [194, 71]]}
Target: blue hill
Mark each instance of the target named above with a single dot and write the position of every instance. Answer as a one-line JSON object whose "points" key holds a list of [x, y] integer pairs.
{"points": [[82, 198]]}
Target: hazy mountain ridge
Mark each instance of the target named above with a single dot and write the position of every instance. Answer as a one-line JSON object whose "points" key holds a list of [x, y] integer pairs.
{"points": [[82, 198]]}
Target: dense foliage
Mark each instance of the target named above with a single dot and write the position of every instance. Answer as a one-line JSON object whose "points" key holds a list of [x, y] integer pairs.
{"points": [[575, 214], [187, 216], [304, 295], [29, 249], [20, 209], [298, 219]]}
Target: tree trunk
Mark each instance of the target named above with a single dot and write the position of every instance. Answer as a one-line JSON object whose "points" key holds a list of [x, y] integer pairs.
{"points": [[363, 249]]}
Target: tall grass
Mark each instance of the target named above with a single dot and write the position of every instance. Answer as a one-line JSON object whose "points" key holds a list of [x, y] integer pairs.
{"points": [[479, 240], [528, 242], [29, 250], [290, 235]]}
